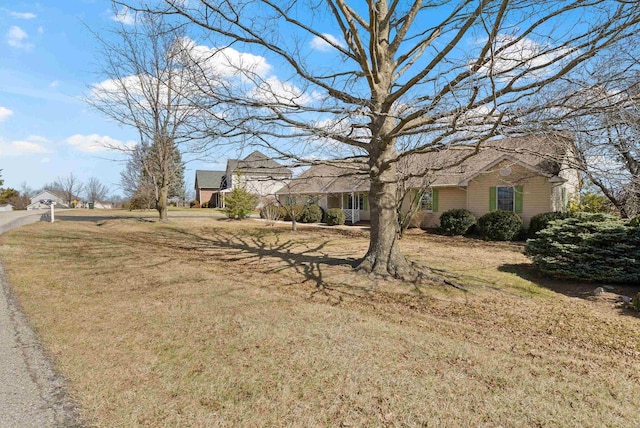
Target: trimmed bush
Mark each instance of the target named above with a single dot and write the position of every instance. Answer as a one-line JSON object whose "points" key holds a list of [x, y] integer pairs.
{"points": [[456, 221], [335, 216], [540, 221], [500, 225], [205, 205], [591, 247], [635, 222], [194, 203], [311, 214], [270, 212], [286, 212]]}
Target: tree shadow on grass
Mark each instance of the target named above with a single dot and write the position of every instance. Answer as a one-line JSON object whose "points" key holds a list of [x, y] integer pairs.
{"points": [[614, 293], [270, 252]]}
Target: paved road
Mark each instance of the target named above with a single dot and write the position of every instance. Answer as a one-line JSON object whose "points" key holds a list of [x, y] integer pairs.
{"points": [[32, 394]]}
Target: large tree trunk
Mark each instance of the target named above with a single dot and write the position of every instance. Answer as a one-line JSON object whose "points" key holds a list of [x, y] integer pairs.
{"points": [[161, 203], [384, 257]]}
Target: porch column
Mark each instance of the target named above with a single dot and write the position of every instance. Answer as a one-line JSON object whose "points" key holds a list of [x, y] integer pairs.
{"points": [[353, 206]]}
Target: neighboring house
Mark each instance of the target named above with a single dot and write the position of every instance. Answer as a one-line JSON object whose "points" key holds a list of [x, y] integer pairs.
{"points": [[100, 205], [6, 207], [44, 199], [207, 184], [256, 173], [527, 175]]}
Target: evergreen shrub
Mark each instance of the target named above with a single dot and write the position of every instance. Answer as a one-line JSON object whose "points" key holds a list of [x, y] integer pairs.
{"points": [[289, 210], [239, 203], [596, 247], [456, 221], [500, 225], [540, 221], [311, 214], [335, 216]]}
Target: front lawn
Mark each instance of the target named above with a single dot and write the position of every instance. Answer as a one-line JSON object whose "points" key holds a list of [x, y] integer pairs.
{"points": [[211, 322]]}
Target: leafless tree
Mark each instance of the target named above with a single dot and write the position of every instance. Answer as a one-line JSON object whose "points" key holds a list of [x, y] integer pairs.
{"points": [[70, 187], [398, 78], [147, 88], [95, 191]]}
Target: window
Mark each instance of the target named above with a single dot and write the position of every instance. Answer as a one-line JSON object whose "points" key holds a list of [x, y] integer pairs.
{"points": [[359, 202], [291, 200], [506, 198], [426, 201]]}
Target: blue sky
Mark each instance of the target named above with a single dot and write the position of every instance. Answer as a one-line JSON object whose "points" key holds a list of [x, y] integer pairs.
{"points": [[48, 57]]}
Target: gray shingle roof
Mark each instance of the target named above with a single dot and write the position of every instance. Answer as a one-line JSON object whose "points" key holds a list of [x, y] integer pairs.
{"points": [[446, 168], [208, 179], [257, 162]]}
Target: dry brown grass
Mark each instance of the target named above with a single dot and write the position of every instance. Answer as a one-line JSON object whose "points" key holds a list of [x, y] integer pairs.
{"points": [[204, 322]]}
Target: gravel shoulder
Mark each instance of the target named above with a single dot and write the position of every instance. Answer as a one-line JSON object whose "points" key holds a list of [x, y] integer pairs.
{"points": [[32, 394]]}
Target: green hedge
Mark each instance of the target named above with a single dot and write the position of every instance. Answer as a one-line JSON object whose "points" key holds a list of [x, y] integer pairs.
{"points": [[456, 221], [311, 214], [500, 225], [335, 216], [595, 247], [635, 222]]}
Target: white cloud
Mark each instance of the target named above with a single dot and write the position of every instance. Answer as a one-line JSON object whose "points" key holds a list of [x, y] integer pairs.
{"points": [[274, 91], [41, 29], [97, 143], [45, 160], [25, 147], [54, 84], [516, 56], [124, 16], [23, 15], [31, 145], [226, 62], [17, 38], [4, 113], [320, 44]]}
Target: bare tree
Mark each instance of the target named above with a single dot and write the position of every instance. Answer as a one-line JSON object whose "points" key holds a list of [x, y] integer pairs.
{"points": [[70, 188], [602, 109], [95, 191], [400, 78], [147, 88]]}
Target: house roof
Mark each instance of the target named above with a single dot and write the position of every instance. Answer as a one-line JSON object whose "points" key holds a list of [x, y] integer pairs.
{"points": [[208, 179], [256, 162], [454, 167], [451, 167], [325, 178]]}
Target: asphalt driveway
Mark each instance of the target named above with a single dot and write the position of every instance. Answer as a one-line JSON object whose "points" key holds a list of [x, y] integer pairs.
{"points": [[32, 394]]}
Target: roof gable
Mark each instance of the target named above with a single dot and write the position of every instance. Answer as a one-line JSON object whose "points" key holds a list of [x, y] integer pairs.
{"points": [[208, 179], [256, 162]]}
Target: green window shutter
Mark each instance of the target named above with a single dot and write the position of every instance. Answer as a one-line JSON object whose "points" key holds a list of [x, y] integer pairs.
{"points": [[365, 202], [518, 199], [434, 200], [345, 201], [492, 199]]}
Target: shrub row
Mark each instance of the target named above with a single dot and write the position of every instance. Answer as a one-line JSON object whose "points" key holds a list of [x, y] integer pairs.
{"points": [[595, 247], [495, 226], [302, 213]]}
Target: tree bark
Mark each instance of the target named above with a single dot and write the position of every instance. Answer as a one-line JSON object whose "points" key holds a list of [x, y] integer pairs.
{"points": [[161, 204], [384, 257]]}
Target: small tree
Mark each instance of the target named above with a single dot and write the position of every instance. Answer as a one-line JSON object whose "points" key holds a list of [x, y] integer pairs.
{"points": [[95, 190], [239, 203]]}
